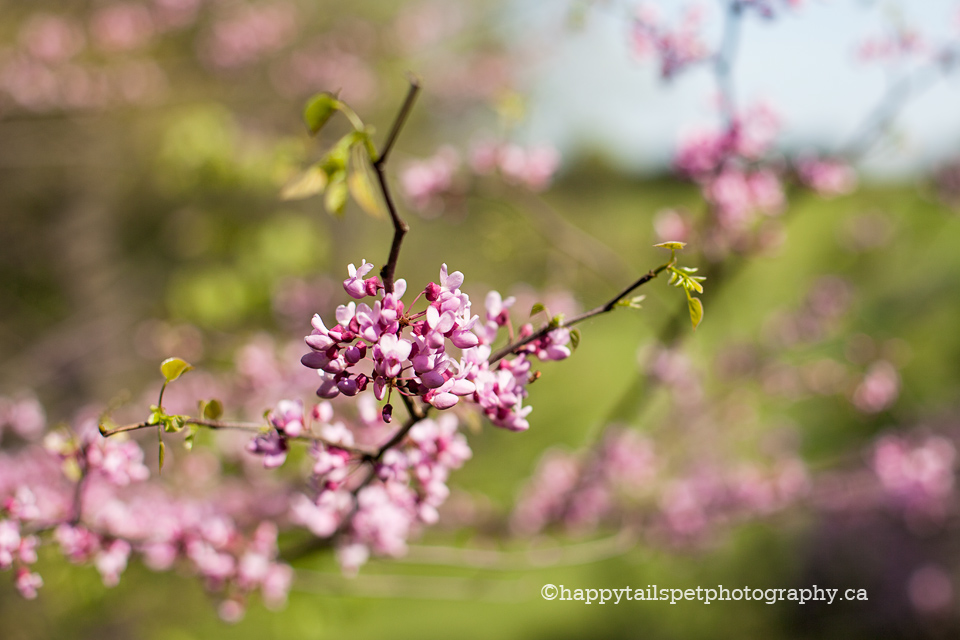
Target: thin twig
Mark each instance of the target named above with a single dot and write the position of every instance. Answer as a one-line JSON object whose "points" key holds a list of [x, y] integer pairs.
{"points": [[604, 308], [254, 427], [400, 227]]}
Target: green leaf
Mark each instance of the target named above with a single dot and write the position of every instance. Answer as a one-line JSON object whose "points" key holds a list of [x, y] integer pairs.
{"points": [[673, 246], [156, 416], [335, 199], [163, 454], [173, 368], [212, 410], [306, 184], [556, 321], [537, 308], [696, 311], [361, 186], [575, 339], [318, 111]]}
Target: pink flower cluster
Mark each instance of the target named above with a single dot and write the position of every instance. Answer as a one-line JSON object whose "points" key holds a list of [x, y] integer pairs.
{"points": [[378, 515], [529, 167], [902, 44], [879, 388], [723, 163], [87, 494], [24, 416], [918, 476], [623, 476], [579, 493], [249, 34], [388, 348], [677, 47], [426, 182], [827, 177], [429, 184]]}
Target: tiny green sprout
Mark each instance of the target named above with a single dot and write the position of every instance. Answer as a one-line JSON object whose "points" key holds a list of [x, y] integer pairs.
{"points": [[537, 308], [575, 339], [173, 368], [673, 246], [632, 303]]}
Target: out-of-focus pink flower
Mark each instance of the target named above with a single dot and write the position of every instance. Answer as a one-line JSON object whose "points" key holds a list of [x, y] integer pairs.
{"points": [[121, 27], [879, 388], [827, 177], [249, 34], [51, 38], [425, 182], [678, 47], [530, 167], [921, 476]]}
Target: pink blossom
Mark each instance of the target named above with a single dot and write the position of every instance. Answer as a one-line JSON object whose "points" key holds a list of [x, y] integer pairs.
{"points": [[921, 476], [827, 177], [287, 417], [879, 389], [427, 181], [354, 285], [122, 26], [112, 561], [28, 583], [51, 38], [249, 34]]}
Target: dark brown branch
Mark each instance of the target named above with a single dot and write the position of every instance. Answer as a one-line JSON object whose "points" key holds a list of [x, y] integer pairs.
{"points": [[401, 118], [400, 227], [604, 308]]}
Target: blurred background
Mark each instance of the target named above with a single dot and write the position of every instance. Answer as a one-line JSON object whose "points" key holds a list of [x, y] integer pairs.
{"points": [[143, 145]]}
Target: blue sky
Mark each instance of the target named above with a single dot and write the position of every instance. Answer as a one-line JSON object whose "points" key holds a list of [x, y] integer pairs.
{"points": [[589, 91]]}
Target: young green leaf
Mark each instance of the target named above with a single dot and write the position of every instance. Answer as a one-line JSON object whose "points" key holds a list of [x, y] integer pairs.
{"points": [[212, 410], [575, 339], [318, 111], [173, 368], [306, 184], [335, 199], [163, 454], [360, 183], [673, 246], [537, 308], [696, 311]]}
